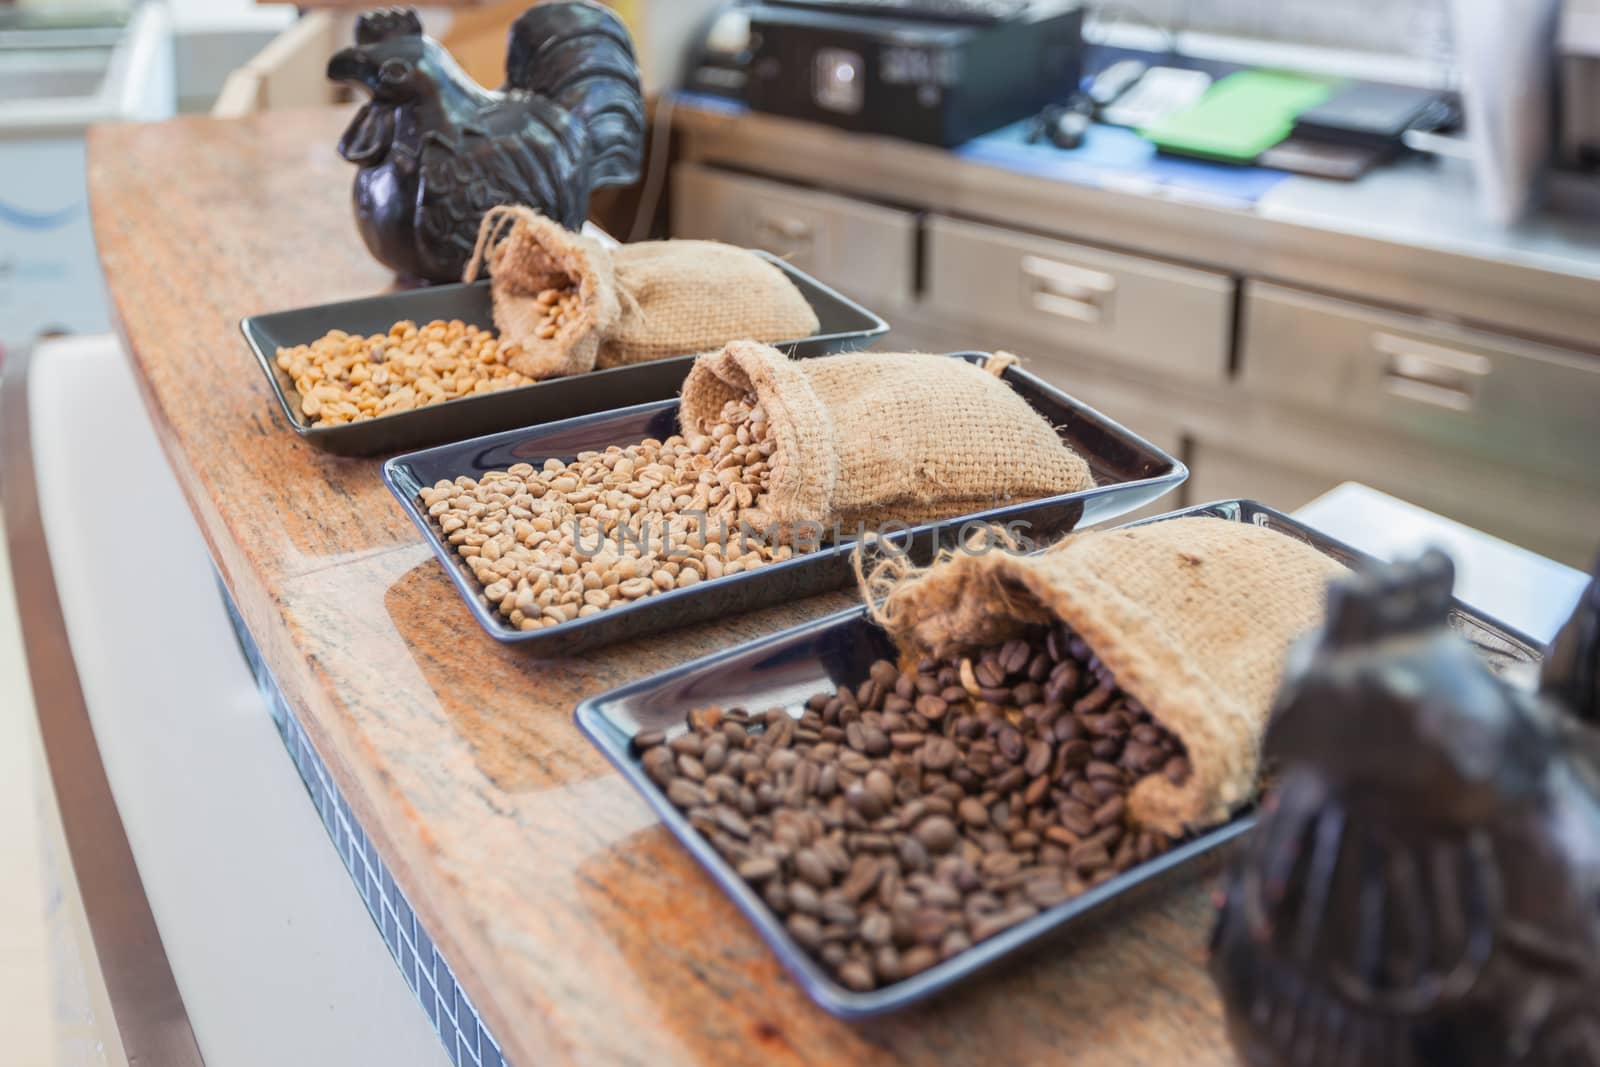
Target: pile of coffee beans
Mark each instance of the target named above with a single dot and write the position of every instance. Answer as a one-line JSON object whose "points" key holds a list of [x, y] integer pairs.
{"points": [[563, 541], [898, 823], [344, 377]]}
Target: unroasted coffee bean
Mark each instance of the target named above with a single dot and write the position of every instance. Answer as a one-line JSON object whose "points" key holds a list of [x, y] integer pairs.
{"points": [[902, 819]]}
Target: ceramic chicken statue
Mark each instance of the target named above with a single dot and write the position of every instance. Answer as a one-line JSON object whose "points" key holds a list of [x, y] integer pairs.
{"points": [[1423, 887], [436, 150]]}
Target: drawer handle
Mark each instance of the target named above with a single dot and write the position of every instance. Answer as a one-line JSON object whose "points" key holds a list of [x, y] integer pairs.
{"points": [[784, 230], [1065, 291], [1431, 374]]}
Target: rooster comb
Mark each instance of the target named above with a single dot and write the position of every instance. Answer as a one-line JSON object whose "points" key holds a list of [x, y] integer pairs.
{"points": [[386, 24], [1388, 599]]}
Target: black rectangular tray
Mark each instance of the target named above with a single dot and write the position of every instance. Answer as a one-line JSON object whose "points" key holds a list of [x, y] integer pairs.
{"points": [[786, 668], [1129, 472], [843, 327]]}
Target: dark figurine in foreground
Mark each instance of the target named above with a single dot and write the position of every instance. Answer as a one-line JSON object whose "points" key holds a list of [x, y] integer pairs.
{"points": [[437, 151], [1423, 888]]}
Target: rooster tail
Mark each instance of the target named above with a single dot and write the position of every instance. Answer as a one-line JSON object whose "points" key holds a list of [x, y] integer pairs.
{"points": [[1571, 675], [579, 55]]}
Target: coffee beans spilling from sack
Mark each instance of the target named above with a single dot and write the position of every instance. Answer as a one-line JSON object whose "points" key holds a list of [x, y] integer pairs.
{"points": [[343, 377], [899, 823], [1193, 615], [557, 308], [867, 438], [632, 304], [565, 540]]}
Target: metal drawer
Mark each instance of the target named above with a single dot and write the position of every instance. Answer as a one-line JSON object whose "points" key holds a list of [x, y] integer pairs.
{"points": [[865, 250], [1540, 515], [1497, 396], [1135, 311]]}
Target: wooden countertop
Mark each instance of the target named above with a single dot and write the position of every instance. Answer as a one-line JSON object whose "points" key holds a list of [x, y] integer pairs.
{"points": [[580, 929]]}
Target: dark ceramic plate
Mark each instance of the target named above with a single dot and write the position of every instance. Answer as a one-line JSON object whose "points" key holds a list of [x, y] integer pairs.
{"points": [[786, 668], [843, 327], [1129, 472]]}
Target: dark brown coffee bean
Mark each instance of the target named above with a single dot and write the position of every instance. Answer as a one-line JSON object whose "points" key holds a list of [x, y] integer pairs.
{"points": [[918, 959], [806, 931], [691, 768], [1092, 701], [973, 812], [1037, 790], [828, 780], [869, 694], [731, 821], [1045, 892], [1077, 817], [1010, 780], [875, 741], [803, 898], [648, 739], [1000, 864], [931, 707], [930, 925], [876, 929], [941, 895], [911, 853], [885, 673], [864, 801], [758, 869], [886, 964], [936, 833], [939, 754], [838, 910], [660, 765], [1111, 811], [685, 793], [1176, 770], [1009, 741], [809, 866], [1088, 856], [1084, 793], [1101, 769], [687, 744], [954, 943], [906, 740], [833, 952], [1014, 656], [857, 975], [1038, 759], [989, 674]]}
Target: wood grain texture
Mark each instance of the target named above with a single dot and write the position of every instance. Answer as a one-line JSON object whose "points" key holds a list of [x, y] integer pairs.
{"points": [[577, 925]]}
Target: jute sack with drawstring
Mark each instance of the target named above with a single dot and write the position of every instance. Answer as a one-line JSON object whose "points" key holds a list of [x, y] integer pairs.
{"points": [[1192, 617], [636, 303], [869, 437]]}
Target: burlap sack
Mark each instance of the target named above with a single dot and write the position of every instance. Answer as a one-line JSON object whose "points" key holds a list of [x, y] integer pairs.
{"points": [[526, 253], [1192, 616], [869, 437], [637, 303], [680, 297]]}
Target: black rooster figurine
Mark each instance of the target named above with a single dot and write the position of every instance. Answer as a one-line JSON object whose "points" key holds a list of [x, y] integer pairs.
{"points": [[1423, 887], [437, 151]]}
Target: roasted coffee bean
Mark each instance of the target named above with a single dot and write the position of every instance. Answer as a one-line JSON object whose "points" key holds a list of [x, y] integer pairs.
{"points": [[936, 833], [908, 816], [685, 794], [758, 869]]}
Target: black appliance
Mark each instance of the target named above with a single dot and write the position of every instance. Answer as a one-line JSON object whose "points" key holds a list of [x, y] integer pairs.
{"points": [[936, 71]]}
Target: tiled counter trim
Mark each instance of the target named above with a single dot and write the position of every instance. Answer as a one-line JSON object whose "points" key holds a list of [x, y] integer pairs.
{"points": [[465, 1038]]}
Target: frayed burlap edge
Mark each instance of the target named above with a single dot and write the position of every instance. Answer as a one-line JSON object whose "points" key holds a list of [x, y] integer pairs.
{"points": [[962, 602], [525, 252], [804, 466]]}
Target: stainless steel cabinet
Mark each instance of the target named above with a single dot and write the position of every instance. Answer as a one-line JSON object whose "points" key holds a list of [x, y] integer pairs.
{"points": [[866, 250], [1072, 298], [1504, 398]]}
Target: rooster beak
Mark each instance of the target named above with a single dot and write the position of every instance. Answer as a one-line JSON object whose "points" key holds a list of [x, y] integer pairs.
{"points": [[351, 66]]}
